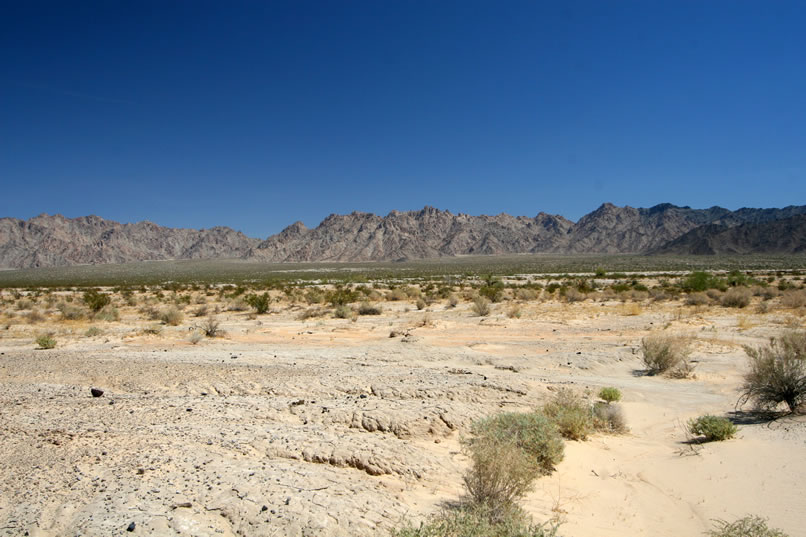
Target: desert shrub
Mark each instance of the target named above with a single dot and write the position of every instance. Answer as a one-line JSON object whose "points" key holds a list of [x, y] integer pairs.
{"points": [[239, 304], [608, 418], [610, 394], [714, 294], [527, 294], [93, 331], [768, 293], [211, 327], [793, 299], [107, 314], [713, 428], [311, 313], [195, 337], [570, 413], [25, 304], [514, 312], [71, 312], [172, 316], [702, 281], [152, 330], [259, 302], [777, 373], [314, 296], [666, 354], [697, 299], [420, 304], [201, 311], [396, 294], [46, 341], [493, 292], [749, 526], [507, 453], [342, 297], [453, 300], [343, 312], [574, 295], [481, 306], [368, 309], [96, 300], [34, 316], [736, 297], [477, 521]]}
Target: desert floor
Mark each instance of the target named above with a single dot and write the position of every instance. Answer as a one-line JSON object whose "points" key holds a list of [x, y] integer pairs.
{"points": [[332, 427]]}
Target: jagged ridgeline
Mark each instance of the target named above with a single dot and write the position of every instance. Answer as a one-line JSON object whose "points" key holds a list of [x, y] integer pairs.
{"points": [[57, 241]]}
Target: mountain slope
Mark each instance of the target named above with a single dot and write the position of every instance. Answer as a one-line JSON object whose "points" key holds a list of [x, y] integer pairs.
{"points": [[55, 240], [786, 236]]}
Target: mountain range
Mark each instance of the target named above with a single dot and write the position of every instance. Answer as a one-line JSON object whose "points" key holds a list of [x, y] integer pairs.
{"points": [[48, 240]]}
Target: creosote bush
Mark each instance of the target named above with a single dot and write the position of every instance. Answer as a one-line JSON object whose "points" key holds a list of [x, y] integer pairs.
{"points": [[666, 354], [777, 373], [96, 300], [368, 309], [749, 526], [259, 302], [713, 428], [46, 341], [610, 394]]}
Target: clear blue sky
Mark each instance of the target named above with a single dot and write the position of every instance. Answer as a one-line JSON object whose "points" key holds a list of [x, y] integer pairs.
{"points": [[256, 114]]}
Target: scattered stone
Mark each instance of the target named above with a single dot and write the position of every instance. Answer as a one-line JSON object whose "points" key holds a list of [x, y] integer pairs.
{"points": [[96, 392], [131, 527]]}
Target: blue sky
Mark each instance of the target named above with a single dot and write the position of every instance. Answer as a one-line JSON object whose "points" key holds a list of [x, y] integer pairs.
{"points": [[256, 114]]}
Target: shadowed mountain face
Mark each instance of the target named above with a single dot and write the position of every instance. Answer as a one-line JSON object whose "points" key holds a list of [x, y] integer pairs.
{"points": [[56, 240]]}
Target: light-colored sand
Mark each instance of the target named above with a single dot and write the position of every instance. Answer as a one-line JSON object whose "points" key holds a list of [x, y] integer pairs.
{"points": [[331, 427]]}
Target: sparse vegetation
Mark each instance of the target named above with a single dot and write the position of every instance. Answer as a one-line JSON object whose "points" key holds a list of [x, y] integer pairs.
{"points": [[172, 316], [477, 521], [46, 341], [777, 373], [368, 309], [96, 300], [211, 327], [570, 413], [481, 306], [666, 354], [736, 297], [608, 418], [713, 428], [749, 526]]}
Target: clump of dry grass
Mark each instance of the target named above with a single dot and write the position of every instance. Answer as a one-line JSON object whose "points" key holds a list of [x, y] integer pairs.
{"points": [[736, 297], [481, 306], [667, 354]]}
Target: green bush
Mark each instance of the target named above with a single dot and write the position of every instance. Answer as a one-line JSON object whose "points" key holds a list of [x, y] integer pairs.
{"points": [[749, 526], [477, 521], [343, 312], [777, 373], [702, 281], [46, 341], [95, 300], [571, 414], [259, 302], [508, 452], [93, 331], [666, 354], [713, 428], [610, 394]]}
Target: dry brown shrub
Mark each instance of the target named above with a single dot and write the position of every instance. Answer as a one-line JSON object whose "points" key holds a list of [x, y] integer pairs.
{"points": [[793, 298], [667, 354]]}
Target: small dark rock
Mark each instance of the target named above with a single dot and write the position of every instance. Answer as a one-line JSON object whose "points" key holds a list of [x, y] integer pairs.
{"points": [[264, 508], [131, 527], [96, 392]]}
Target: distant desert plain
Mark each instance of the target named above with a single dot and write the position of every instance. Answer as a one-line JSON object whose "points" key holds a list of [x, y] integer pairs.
{"points": [[342, 406]]}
